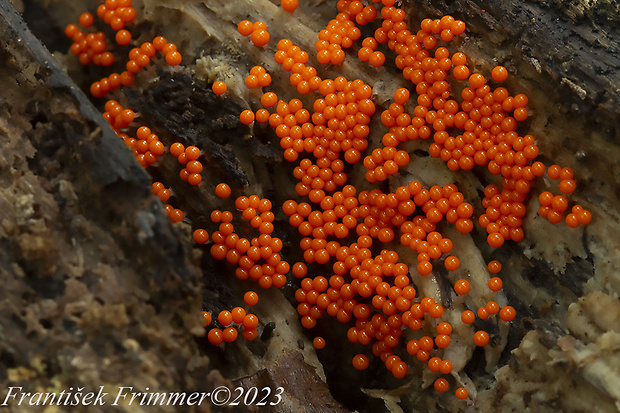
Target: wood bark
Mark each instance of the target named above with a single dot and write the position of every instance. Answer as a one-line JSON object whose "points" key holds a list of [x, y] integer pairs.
{"points": [[100, 288]]}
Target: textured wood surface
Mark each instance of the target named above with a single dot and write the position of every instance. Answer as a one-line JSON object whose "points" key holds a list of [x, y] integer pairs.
{"points": [[96, 270]]}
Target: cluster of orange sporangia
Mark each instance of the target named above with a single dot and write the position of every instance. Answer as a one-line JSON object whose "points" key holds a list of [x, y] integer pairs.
{"points": [[373, 294], [93, 47]]}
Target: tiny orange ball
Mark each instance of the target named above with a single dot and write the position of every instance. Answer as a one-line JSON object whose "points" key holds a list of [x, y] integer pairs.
{"points": [[250, 298], [507, 313], [176, 149], [444, 328], [462, 287], [225, 318], [360, 362], [86, 19], [441, 385], [559, 203], [249, 334], [215, 336], [572, 221], [318, 343], [246, 117], [499, 73], [495, 284], [492, 307], [159, 42], [260, 37], [230, 334], [238, 314], [71, 30], [376, 59], [176, 215], [567, 186], [460, 72], [424, 268], [461, 393], [494, 266], [156, 187], [219, 87], [452, 263], [495, 239], [554, 171], [400, 369], [269, 99], [250, 321], [442, 340], [476, 80], [468, 317], [244, 27], [222, 191], [401, 96], [201, 236], [194, 179], [481, 338], [251, 81], [289, 5], [300, 270], [584, 216], [173, 58], [445, 367]]}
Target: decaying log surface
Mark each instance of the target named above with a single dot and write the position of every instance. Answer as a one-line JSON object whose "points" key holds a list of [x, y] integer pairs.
{"points": [[94, 270], [97, 289]]}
